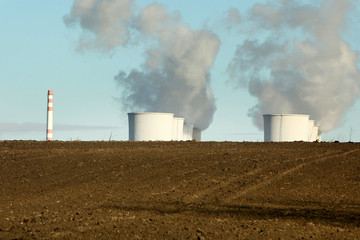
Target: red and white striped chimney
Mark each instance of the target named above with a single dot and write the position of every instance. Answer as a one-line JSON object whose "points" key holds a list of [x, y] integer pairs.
{"points": [[50, 116]]}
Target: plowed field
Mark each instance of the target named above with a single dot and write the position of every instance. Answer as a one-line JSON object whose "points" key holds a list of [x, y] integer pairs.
{"points": [[179, 190]]}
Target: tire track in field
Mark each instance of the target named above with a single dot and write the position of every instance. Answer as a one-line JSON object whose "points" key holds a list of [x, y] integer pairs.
{"points": [[247, 189], [210, 191]]}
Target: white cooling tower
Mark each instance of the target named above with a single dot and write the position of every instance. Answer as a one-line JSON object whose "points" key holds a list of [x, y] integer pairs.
{"points": [[196, 134], [310, 129], [319, 136], [314, 134], [187, 131], [150, 126], [285, 127], [178, 127]]}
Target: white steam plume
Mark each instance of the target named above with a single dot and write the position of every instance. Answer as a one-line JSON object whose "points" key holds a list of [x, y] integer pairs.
{"points": [[303, 65], [105, 23], [175, 75]]}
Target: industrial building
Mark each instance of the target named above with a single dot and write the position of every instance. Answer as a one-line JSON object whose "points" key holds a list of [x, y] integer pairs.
{"points": [[156, 126], [289, 128]]}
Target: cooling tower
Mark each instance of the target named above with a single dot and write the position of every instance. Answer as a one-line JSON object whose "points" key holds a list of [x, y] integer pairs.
{"points": [[314, 134], [285, 127], [311, 130], [187, 131], [150, 126], [319, 136], [196, 134], [178, 127]]}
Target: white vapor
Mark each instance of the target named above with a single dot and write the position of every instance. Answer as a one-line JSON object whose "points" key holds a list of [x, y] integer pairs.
{"points": [[175, 75], [104, 23], [303, 65]]}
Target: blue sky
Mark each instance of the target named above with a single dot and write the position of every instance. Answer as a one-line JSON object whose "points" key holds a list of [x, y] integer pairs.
{"points": [[38, 52]]}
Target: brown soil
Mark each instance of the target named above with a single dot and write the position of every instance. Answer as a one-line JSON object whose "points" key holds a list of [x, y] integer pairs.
{"points": [[179, 190]]}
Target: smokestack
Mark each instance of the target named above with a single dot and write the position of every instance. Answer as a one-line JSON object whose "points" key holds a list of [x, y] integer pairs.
{"points": [[50, 117]]}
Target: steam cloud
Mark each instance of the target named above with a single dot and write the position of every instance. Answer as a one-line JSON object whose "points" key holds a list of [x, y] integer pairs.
{"points": [[175, 75], [302, 65], [104, 23]]}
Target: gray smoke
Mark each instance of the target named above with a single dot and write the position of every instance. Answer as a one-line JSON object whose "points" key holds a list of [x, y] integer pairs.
{"points": [[175, 75], [297, 61]]}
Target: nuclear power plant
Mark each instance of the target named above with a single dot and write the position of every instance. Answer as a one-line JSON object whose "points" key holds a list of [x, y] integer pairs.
{"points": [[159, 126], [156, 126], [289, 128]]}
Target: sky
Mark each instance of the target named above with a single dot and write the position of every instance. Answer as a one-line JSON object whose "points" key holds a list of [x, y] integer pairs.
{"points": [[38, 52]]}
